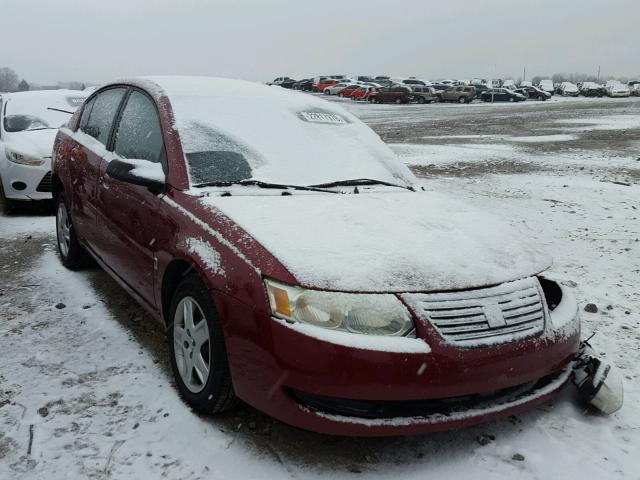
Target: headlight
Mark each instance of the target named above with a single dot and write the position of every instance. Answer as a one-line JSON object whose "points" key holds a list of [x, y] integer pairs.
{"points": [[21, 159], [370, 314]]}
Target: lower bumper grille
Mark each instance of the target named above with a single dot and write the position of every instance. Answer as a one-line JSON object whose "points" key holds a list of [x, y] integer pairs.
{"points": [[505, 313], [420, 408], [45, 183]]}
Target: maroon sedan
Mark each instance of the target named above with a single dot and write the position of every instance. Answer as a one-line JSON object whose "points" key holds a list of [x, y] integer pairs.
{"points": [[298, 266]]}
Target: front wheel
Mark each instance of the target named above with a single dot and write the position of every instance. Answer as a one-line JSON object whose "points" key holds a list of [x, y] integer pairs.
{"points": [[398, 101], [72, 255], [462, 100], [197, 349]]}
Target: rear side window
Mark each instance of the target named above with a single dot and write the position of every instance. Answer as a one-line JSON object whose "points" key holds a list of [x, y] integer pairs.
{"points": [[139, 135], [101, 114]]}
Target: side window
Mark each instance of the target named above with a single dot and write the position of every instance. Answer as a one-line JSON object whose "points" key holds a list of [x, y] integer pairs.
{"points": [[139, 135], [86, 111], [103, 111]]}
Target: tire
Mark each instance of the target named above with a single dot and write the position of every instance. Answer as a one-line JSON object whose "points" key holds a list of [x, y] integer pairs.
{"points": [[421, 100], [326, 91], [462, 100], [194, 328], [511, 99], [72, 255], [5, 204], [398, 101]]}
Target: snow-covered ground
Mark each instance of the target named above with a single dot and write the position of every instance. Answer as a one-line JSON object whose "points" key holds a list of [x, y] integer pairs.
{"points": [[85, 392]]}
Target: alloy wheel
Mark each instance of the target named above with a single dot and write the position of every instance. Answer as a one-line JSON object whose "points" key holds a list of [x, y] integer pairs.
{"points": [[192, 345], [63, 229]]}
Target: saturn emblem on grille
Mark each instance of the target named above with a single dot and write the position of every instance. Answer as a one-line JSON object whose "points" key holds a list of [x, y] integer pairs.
{"points": [[493, 314]]}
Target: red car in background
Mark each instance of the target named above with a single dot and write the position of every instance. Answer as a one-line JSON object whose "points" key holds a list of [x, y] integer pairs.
{"points": [[321, 83], [362, 93], [337, 296], [347, 92]]}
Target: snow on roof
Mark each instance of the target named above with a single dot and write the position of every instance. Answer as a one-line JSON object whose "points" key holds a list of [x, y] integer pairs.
{"points": [[286, 136]]}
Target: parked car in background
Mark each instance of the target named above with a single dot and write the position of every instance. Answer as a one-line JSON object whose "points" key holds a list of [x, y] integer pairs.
{"points": [[525, 83], [393, 94], [510, 84], [320, 83], [533, 93], [406, 81], [171, 184], [592, 89], [284, 82], [362, 92], [635, 90], [349, 89], [29, 122], [501, 95], [423, 94], [618, 89], [337, 88], [305, 85], [547, 86], [480, 87], [568, 89], [458, 94]]}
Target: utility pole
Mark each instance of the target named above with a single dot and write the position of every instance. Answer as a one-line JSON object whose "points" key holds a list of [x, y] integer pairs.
{"points": [[524, 73], [598, 73]]}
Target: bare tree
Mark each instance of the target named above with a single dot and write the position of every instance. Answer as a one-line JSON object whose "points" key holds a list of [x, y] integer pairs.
{"points": [[8, 80]]}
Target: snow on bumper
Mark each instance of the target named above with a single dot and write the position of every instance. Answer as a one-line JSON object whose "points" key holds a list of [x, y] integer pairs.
{"points": [[479, 413]]}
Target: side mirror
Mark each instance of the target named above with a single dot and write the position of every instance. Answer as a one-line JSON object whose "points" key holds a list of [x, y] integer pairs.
{"points": [[138, 172]]}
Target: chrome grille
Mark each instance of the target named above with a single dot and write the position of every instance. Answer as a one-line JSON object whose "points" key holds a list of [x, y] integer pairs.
{"points": [[505, 313], [45, 183]]}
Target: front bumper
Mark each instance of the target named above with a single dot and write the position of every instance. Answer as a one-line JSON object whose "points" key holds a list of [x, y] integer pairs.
{"points": [[314, 381], [36, 181]]}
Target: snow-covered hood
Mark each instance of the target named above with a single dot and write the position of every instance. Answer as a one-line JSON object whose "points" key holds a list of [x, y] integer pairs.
{"points": [[32, 143], [384, 242]]}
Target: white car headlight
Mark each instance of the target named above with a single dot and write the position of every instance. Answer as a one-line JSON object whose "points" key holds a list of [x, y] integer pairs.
{"points": [[370, 314], [21, 159]]}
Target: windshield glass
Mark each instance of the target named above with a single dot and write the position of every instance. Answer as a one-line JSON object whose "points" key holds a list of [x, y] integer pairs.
{"points": [[40, 110], [232, 131]]}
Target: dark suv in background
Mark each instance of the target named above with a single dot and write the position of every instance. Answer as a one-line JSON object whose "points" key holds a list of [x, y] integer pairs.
{"points": [[392, 94]]}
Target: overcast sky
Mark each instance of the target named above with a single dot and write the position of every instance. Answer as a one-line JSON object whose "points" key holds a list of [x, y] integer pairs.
{"points": [[94, 41]]}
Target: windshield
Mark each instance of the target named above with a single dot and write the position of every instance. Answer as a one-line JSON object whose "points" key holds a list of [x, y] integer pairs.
{"points": [[40, 110], [256, 133]]}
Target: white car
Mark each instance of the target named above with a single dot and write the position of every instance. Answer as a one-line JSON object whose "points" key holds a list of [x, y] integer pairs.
{"points": [[547, 86], [569, 89], [510, 84], [618, 89], [29, 123]]}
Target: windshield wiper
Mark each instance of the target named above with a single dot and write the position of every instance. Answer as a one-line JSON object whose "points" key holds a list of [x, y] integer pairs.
{"points": [[59, 110], [261, 184], [360, 182]]}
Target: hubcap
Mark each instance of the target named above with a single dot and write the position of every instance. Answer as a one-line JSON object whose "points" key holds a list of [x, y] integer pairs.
{"points": [[191, 344], [63, 229]]}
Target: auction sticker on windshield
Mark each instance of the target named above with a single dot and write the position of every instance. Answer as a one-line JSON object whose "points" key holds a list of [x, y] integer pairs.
{"points": [[322, 117]]}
